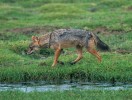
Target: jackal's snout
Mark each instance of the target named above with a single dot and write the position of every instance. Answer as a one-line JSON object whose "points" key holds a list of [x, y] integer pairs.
{"points": [[34, 46], [29, 51]]}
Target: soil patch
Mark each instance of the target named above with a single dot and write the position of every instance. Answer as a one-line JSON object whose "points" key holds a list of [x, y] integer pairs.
{"points": [[129, 8], [121, 51], [101, 30], [46, 29], [31, 30], [105, 30]]}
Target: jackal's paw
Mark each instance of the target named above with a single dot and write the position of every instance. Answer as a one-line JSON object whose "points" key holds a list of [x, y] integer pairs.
{"points": [[72, 63], [60, 62]]}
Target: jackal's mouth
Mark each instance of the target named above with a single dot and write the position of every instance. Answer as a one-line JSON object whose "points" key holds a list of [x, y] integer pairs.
{"points": [[28, 53], [32, 50]]}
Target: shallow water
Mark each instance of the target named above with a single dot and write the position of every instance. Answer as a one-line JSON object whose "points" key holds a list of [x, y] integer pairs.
{"points": [[42, 86]]}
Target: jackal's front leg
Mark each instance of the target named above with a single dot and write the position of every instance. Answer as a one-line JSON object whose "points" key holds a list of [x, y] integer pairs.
{"points": [[79, 51], [57, 54]]}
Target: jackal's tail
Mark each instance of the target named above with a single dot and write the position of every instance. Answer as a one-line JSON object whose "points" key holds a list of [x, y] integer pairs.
{"points": [[100, 44]]}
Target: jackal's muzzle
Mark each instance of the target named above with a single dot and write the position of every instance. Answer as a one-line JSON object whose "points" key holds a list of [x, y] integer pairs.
{"points": [[32, 49]]}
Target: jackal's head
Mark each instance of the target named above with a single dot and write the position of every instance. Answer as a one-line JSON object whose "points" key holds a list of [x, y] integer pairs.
{"points": [[34, 45]]}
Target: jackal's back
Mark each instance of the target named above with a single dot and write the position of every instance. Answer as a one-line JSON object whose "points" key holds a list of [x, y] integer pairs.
{"points": [[71, 37]]}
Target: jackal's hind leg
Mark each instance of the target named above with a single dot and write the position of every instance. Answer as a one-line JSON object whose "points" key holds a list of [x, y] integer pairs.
{"points": [[95, 53], [79, 51], [57, 54]]}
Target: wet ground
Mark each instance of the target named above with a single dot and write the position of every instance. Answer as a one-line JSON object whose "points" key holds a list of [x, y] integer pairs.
{"points": [[42, 86]]}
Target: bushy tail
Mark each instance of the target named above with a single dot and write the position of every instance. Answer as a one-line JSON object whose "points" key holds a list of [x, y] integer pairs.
{"points": [[100, 44]]}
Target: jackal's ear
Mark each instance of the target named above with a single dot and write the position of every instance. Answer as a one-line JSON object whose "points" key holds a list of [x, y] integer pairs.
{"points": [[34, 38]]}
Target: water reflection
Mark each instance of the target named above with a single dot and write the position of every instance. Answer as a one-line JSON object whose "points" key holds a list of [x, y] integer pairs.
{"points": [[42, 86]]}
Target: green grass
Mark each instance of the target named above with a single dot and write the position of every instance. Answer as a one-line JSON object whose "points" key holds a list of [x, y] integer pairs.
{"points": [[113, 15], [68, 95]]}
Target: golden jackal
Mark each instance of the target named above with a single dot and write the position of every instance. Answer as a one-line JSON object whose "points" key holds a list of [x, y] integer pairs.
{"points": [[65, 38]]}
